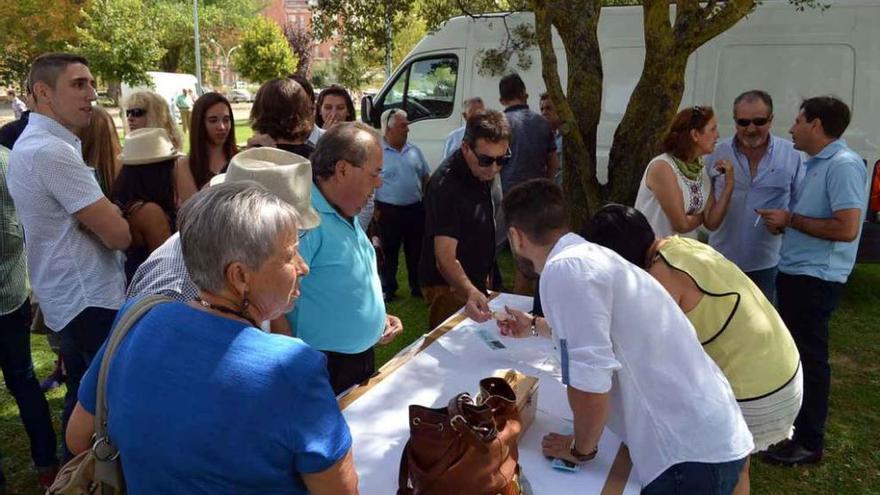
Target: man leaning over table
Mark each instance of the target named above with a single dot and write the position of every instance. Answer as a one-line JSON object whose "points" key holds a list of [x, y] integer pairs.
{"points": [[629, 357], [341, 311], [458, 248]]}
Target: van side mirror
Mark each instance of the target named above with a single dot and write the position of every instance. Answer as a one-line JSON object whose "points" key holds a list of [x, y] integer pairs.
{"points": [[367, 110]]}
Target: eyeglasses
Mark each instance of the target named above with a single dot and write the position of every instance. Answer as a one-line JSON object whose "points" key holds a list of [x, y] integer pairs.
{"points": [[486, 161], [696, 115], [135, 112], [760, 121]]}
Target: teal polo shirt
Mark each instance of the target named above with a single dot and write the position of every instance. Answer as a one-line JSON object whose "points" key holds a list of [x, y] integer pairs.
{"points": [[835, 179], [340, 308]]}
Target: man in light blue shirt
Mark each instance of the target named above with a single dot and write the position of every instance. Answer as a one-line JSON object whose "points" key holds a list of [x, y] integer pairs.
{"points": [[768, 171], [340, 311], [821, 237], [401, 214], [453, 141]]}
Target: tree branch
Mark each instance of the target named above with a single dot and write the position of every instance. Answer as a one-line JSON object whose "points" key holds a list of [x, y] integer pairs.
{"points": [[707, 24]]}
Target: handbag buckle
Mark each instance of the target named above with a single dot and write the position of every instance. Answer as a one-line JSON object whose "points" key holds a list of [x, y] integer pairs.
{"points": [[109, 455]]}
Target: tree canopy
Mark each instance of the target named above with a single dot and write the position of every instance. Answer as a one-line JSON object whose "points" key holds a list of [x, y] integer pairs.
{"points": [[264, 52]]}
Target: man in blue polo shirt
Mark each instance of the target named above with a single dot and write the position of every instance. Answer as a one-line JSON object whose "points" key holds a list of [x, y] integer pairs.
{"points": [[818, 253], [401, 214], [768, 172], [340, 311]]}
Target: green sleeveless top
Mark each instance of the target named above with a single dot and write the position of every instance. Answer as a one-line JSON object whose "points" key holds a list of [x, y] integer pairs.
{"points": [[738, 327]]}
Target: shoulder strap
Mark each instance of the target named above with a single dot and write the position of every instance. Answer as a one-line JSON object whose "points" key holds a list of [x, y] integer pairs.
{"points": [[126, 321]]}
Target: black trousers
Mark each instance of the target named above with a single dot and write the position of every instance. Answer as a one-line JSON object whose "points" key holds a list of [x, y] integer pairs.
{"points": [[347, 370], [400, 225], [80, 341], [806, 304], [18, 373]]}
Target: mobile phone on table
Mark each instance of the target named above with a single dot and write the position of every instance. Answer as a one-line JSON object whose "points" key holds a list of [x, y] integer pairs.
{"points": [[563, 465]]}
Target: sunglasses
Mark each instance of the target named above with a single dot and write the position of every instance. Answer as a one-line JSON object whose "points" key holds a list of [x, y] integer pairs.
{"points": [[135, 112], [486, 161], [696, 115], [760, 121]]}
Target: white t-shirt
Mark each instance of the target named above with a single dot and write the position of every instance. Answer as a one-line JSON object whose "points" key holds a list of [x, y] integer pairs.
{"points": [[618, 330], [694, 194], [70, 267]]}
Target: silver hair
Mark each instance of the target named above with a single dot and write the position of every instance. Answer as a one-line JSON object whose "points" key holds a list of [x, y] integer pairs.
{"points": [[236, 221], [388, 115], [471, 101]]}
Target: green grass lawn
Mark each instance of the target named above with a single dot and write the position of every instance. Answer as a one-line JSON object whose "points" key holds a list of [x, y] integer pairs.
{"points": [[242, 132], [852, 464]]}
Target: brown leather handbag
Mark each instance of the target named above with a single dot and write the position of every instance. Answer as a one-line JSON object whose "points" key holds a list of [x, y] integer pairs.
{"points": [[468, 447]]}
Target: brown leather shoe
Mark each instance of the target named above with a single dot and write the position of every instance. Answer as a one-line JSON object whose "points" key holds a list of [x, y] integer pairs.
{"points": [[791, 453]]}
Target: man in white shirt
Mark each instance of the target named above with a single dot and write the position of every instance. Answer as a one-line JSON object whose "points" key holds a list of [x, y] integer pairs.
{"points": [[73, 231], [18, 106], [629, 357], [453, 141]]}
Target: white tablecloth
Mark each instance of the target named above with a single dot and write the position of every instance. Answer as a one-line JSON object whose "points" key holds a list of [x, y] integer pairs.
{"points": [[455, 363]]}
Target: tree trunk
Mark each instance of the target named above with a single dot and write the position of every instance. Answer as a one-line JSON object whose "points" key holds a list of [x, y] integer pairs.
{"points": [[114, 91], [577, 23], [657, 95]]}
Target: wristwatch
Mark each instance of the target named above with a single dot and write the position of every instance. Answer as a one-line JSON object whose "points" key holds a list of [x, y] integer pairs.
{"points": [[573, 451], [534, 325]]}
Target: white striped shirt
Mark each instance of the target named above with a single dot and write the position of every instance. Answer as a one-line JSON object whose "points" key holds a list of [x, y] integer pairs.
{"points": [[70, 267]]}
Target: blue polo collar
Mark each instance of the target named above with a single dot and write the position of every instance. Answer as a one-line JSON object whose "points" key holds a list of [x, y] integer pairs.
{"points": [[386, 146], [830, 150]]}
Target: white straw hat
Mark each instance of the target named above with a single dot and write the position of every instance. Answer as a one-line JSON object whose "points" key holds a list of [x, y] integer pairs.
{"points": [[286, 175], [148, 145]]}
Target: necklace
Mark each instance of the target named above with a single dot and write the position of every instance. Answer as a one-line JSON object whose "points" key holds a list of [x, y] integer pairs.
{"points": [[229, 311]]}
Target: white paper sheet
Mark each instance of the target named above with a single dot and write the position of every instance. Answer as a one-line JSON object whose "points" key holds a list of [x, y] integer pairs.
{"points": [[455, 363]]}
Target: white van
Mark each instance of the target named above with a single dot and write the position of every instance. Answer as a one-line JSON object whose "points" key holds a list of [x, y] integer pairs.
{"points": [[791, 55]]}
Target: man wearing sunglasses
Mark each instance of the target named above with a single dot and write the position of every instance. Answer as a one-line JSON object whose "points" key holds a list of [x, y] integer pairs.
{"points": [[458, 248], [768, 170]]}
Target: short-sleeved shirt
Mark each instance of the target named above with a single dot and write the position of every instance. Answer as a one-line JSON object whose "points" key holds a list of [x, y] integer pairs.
{"points": [[619, 332], [199, 403], [70, 267], [14, 288], [780, 171], [531, 140], [836, 179], [402, 174], [458, 205], [341, 307], [164, 273], [453, 141]]}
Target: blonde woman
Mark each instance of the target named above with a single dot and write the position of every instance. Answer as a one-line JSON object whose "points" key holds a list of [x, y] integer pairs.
{"points": [[100, 147], [148, 109]]}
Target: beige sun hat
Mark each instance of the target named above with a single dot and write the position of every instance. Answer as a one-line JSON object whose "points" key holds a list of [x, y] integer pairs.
{"points": [[148, 145], [286, 175]]}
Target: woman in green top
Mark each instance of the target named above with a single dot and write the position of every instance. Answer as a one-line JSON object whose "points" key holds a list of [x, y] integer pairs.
{"points": [[736, 324]]}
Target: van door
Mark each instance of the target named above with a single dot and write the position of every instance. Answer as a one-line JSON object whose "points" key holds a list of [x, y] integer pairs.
{"points": [[425, 88]]}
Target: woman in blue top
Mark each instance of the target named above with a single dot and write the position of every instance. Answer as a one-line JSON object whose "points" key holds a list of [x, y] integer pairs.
{"points": [[200, 399]]}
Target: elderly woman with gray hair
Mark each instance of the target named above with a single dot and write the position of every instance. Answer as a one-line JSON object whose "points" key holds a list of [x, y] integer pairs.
{"points": [[203, 401]]}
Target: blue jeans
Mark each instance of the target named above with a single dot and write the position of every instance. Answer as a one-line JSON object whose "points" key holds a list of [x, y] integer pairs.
{"points": [[80, 341], [766, 281], [691, 478], [18, 373]]}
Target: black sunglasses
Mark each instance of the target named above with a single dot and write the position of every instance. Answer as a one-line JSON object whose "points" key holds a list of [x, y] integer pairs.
{"points": [[487, 161], [135, 112], [760, 121]]}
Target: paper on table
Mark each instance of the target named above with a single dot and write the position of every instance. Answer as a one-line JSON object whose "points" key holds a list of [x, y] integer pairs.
{"points": [[546, 480]]}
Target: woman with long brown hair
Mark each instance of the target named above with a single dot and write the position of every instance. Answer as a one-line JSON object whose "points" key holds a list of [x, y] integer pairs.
{"points": [[675, 194], [100, 147], [211, 144], [283, 111]]}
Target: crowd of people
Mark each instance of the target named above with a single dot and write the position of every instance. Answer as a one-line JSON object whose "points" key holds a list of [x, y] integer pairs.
{"points": [[278, 258]]}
